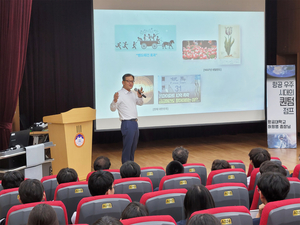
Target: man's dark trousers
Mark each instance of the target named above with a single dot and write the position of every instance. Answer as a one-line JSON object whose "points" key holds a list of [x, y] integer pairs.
{"points": [[130, 132]]}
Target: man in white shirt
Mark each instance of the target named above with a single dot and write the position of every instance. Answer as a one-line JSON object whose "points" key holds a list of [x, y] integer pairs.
{"points": [[125, 101]]}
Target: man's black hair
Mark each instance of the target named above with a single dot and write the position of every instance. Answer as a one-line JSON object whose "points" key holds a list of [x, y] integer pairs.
{"points": [[130, 169], [273, 186], [127, 75], [270, 166], [31, 190], [180, 154], [102, 163], [258, 156], [220, 164], [12, 179], [100, 182], [66, 175], [174, 167]]}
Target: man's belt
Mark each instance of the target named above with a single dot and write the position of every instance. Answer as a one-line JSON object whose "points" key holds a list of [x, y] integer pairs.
{"points": [[134, 119]]}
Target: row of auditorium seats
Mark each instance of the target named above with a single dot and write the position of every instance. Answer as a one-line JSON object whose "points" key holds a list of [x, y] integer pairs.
{"points": [[274, 213], [236, 191], [225, 194]]}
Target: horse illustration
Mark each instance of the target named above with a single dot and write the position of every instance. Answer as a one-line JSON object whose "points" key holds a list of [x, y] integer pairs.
{"points": [[164, 44]]}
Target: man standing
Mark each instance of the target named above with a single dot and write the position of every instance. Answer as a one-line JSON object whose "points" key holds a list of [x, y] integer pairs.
{"points": [[125, 101]]}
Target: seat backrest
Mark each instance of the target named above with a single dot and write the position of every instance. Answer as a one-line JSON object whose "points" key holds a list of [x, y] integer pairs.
{"points": [[296, 171], [255, 175], [294, 191], [150, 220], [237, 164], [182, 180], [276, 160], [135, 187], [19, 214], [255, 200], [165, 202], [198, 168], [71, 194], [227, 176], [114, 172], [50, 184], [92, 208], [250, 168], [287, 170], [229, 194], [285, 212], [234, 215], [8, 198], [154, 173]]}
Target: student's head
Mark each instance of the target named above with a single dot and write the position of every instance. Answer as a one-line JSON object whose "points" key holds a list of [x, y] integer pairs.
{"points": [[258, 156], [130, 169], [107, 220], [102, 163], [134, 209], [31, 190], [42, 214], [197, 198], [174, 167], [66, 175], [220, 164], [273, 187], [269, 166], [204, 219], [12, 179], [180, 154], [101, 183]]}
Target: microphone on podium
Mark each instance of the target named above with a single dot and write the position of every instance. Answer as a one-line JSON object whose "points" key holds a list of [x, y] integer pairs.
{"points": [[137, 90]]}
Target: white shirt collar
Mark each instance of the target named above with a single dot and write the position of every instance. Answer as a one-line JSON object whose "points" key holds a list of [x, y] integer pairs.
{"points": [[125, 91]]}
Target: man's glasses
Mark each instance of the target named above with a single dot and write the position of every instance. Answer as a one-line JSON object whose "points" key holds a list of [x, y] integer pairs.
{"points": [[129, 81]]}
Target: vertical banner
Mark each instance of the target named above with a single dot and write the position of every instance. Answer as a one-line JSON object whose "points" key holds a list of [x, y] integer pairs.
{"points": [[281, 106]]}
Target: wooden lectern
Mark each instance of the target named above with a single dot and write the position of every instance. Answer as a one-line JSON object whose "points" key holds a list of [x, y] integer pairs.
{"points": [[72, 133]]}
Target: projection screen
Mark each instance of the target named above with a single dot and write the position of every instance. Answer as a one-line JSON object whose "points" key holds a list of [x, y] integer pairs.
{"points": [[199, 62]]}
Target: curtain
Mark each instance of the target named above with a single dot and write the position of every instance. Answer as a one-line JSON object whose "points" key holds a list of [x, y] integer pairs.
{"points": [[59, 68], [14, 29]]}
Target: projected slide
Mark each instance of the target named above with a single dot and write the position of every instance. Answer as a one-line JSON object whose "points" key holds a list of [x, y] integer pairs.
{"points": [[195, 67]]}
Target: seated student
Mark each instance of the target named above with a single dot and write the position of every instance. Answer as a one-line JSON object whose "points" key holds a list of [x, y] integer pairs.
{"points": [[197, 198], [257, 157], [134, 209], [30, 190], [130, 169], [102, 163], [100, 183], [204, 219], [269, 166], [42, 214], [12, 179], [180, 154], [174, 167], [107, 220], [272, 187], [220, 164], [66, 175]]}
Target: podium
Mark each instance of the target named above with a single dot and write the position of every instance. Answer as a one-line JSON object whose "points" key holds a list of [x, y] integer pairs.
{"points": [[72, 133]]}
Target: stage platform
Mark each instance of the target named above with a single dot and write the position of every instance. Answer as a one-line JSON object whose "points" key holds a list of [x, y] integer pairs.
{"points": [[202, 150]]}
